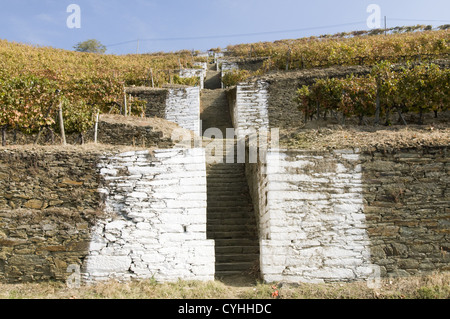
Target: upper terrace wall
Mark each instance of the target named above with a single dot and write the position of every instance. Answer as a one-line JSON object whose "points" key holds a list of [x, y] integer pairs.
{"points": [[179, 104]]}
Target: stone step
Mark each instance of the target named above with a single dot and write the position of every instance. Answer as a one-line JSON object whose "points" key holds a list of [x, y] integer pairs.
{"points": [[216, 179], [227, 195], [226, 167], [219, 222], [236, 175], [231, 212], [222, 242], [243, 250], [221, 199], [234, 266], [238, 222], [213, 80], [230, 190], [214, 196], [246, 230], [223, 275], [220, 228], [228, 210], [230, 258], [237, 257], [223, 180], [225, 210], [231, 234], [226, 189]]}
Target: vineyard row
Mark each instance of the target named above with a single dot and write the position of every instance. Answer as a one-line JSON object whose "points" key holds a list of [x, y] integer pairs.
{"points": [[416, 89]]}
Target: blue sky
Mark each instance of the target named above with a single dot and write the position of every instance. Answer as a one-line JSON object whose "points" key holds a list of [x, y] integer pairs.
{"points": [[171, 25]]}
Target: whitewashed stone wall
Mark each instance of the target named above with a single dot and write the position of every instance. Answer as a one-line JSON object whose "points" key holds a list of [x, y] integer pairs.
{"points": [[218, 57], [310, 215], [183, 108], [157, 224], [195, 73], [225, 66], [250, 108], [203, 65]]}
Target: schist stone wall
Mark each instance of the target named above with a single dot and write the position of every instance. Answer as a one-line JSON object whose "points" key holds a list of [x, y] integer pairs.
{"points": [[195, 73], [179, 104], [108, 133], [158, 224], [270, 101], [349, 215], [138, 214], [249, 108], [183, 108]]}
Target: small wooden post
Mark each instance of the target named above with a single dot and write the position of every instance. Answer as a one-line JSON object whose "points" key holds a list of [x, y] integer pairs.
{"points": [[153, 82], [96, 127], [130, 106], [61, 124], [288, 59], [125, 111]]}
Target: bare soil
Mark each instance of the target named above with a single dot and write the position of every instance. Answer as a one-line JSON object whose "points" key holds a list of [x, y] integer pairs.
{"points": [[158, 124], [329, 134]]}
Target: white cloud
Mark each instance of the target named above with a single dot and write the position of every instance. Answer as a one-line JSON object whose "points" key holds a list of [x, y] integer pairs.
{"points": [[44, 17], [27, 31]]}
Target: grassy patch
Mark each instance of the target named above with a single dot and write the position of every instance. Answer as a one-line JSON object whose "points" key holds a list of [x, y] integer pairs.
{"points": [[430, 287]]}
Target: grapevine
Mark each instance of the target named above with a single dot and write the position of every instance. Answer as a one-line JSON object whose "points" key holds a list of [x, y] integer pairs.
{"points": [[417, 89], [87, 83], [365, 49]]}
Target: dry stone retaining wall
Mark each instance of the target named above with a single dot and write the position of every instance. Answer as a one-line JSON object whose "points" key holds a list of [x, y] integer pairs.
{"points": [[158, 228], [248, 104], [346, 215], [108, 133], [113, 215], [195, 73], [179, 104], [183, 108]]}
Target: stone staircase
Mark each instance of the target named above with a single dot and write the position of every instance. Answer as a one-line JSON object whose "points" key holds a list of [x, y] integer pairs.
{"points": [[213, 78], [231, 220], [214, 110]]}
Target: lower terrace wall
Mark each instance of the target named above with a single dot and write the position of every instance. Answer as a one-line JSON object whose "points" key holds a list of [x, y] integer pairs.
{"points": [[350, 215], [108, 133], [132, 215]]}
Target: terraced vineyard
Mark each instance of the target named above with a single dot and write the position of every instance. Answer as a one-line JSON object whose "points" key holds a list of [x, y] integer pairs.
{"points": [[357, 50], [33, 80]]}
